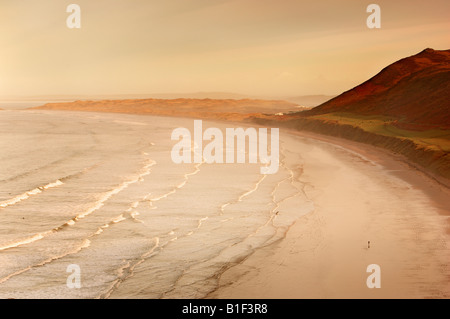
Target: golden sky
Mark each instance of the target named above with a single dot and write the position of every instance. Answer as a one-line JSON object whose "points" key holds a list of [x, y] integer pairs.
{"points": [[257, 47]]}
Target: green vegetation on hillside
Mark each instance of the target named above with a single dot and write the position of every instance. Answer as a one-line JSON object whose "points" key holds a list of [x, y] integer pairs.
{"points": [[437, 139]]}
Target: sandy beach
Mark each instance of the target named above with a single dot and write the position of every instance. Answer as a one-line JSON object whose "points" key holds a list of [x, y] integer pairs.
{"points": [[358, 198], [109, 199]]}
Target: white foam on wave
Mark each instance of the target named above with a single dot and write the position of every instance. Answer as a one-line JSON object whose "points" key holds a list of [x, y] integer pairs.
{"points": [[28, 194], [54, 184], [99, 204], [201, 220], [118, 219], [254, 189], [134, 214], [85, 244], [106, 196], [241, 197], [179, 186], [24, 241], [122, 274]]}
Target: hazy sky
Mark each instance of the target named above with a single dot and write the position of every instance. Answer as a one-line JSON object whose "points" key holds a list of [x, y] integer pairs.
{"points": [[262, 47]]}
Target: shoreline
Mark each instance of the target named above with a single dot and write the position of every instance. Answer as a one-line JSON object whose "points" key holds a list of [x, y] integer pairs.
{"points": [[321, 243], [436, 188], [248, 120], [314, 242]]}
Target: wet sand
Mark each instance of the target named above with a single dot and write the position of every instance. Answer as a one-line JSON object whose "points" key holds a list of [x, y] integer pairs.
{"points": [[360, 194]]}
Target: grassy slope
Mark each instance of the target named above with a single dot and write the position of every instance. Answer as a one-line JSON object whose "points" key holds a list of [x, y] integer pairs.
{"points": [[435, 139], [430, 149]]}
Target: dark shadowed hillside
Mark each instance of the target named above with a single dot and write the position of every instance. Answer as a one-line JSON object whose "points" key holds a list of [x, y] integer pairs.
{"points": [[405, 108], [414, 90]]}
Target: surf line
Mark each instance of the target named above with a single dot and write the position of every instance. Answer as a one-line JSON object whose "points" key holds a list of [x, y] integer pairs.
{"points": [[97, 205], [28, 194], [213, 152]]}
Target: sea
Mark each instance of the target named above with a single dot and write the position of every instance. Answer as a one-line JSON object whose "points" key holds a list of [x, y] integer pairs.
{"points": [[95, 199]]}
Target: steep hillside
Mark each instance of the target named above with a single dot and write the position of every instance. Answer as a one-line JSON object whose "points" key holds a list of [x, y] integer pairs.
{"points": [[414, 91]]}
